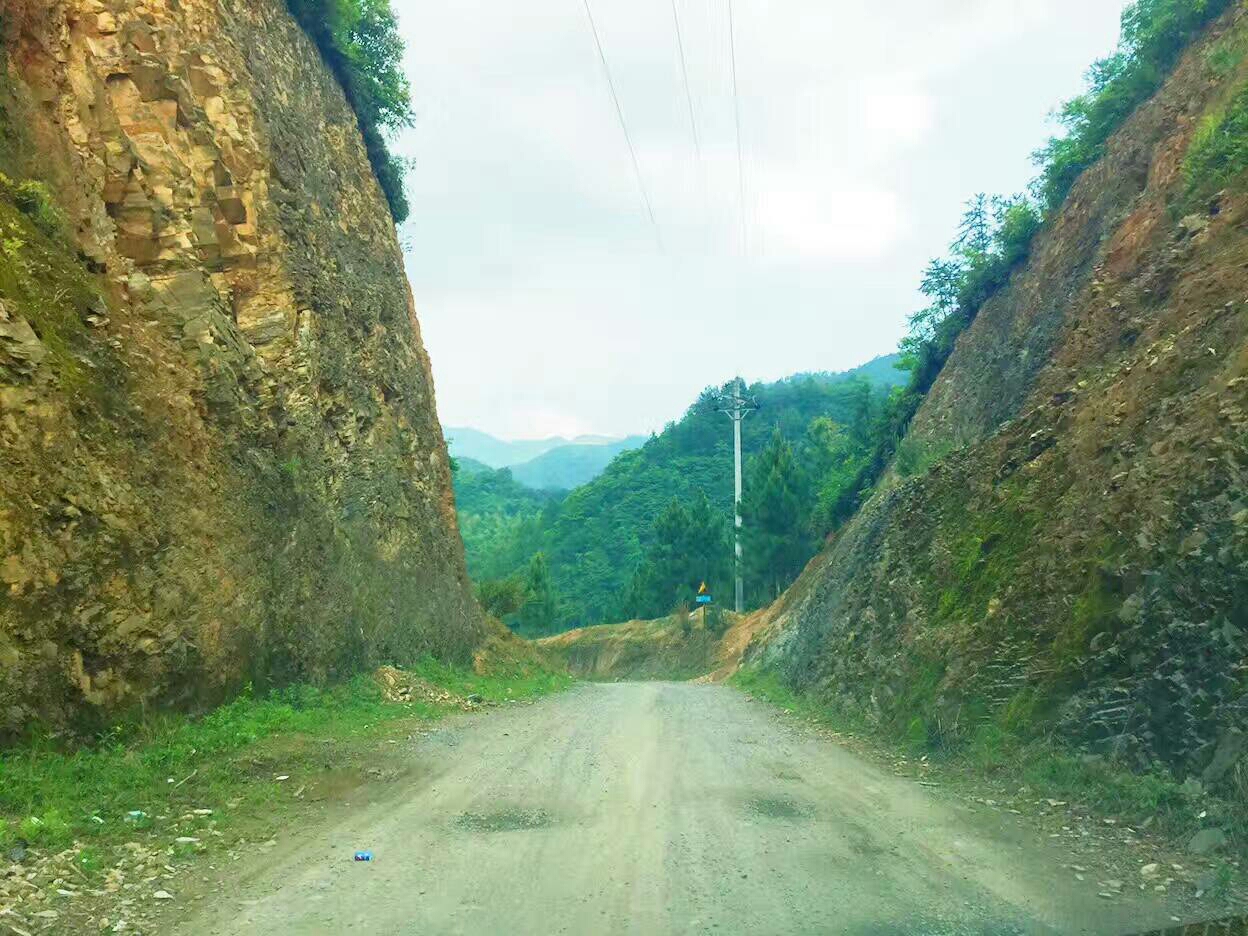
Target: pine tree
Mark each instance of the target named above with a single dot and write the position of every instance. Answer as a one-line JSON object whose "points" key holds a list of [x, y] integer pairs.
{"points": [[541, 604], [775, 512], [975, 232], [689, 545]]}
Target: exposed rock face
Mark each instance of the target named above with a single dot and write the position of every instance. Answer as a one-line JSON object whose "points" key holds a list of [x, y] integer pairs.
{"points": [[1080, 561], [220, 458]]}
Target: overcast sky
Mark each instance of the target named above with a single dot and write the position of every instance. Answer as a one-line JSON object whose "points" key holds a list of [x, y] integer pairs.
{"points": [[548, 303]]}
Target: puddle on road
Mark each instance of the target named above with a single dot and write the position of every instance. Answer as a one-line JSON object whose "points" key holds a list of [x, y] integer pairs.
{"points": [[504, 820], [773, 807]]}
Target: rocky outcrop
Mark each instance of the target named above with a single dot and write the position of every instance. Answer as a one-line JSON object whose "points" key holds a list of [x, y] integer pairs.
{"points": [[1079, 563], [220, 458]]}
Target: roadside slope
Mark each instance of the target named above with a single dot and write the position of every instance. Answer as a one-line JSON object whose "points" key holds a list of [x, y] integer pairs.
{"points": [[219, 444], [1079, 563]]}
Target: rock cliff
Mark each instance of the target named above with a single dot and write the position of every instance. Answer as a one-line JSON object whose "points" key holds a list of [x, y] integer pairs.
{"points": [[220, 459], [1078, 562]]}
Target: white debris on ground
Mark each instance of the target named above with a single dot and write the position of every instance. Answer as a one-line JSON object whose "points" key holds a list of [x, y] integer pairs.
{"points": [[398, 686]]}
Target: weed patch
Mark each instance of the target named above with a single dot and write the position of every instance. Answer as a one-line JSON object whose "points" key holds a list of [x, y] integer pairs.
{"points": [[51, 793], [1218, 155]]}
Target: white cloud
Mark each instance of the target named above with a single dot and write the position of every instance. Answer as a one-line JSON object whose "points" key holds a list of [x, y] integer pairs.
{"points": [[896, 114], [803, 217], [543, 297]]}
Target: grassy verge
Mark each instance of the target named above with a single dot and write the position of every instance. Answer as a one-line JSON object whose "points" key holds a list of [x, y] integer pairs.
{"points": [[1151, 800], [142, 774]]}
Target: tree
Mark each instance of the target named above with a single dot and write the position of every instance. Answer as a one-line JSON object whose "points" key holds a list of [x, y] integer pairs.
{"points": [[776, 515], [501, 597], [942, 282], [689, 546], [541, 604], [975, 231]]}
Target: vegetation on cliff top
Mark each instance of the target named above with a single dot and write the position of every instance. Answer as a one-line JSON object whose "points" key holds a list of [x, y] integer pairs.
{"points": [[360, 41], [1218, 156], [996, 233], [1154, 35]]}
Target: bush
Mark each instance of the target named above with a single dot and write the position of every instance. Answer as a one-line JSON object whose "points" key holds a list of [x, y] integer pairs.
{"points": [[49, 830], [34, 200], [683, 621], [1218, 155], [501, 597], [716, 620], [360, 42]]}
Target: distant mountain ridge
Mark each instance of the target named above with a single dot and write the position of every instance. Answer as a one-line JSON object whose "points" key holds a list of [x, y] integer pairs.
{"points": [[466, 442], [570, 466]]}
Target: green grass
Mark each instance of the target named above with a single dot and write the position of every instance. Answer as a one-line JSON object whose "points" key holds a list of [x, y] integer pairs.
{"points": [[519, 682], [51, 794], [1218, 155], [915, 456]]}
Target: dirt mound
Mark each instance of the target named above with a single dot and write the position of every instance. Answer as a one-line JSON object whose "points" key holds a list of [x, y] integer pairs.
{"points": [[398, 686], [668, 648]]}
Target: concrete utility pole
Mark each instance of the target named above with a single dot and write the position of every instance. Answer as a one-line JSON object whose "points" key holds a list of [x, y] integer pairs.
{"points": [[737, 406]]}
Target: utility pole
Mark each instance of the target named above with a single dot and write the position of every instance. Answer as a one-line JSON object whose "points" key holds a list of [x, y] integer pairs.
{"points": [[736, 405]]}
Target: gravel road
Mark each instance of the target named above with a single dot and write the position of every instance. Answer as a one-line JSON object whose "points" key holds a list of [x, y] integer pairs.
{"points": [[655, 808]]}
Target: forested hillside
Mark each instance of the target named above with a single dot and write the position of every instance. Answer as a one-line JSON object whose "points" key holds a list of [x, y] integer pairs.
{"points": [[640, 538], [499, 519]]}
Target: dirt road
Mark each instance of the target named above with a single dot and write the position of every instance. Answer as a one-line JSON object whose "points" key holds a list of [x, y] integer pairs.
{"points": [[654, 808]]}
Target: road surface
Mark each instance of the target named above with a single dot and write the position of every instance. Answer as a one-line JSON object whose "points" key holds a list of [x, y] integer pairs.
{"points": [[656, 808]]}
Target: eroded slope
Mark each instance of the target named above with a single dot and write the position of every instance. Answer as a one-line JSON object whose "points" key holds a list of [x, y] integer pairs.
{"points": [[219, 448], [1081, 560]]}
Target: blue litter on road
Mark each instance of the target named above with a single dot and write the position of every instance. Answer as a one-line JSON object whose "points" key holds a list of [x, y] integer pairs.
{"points": [[363, 856]]}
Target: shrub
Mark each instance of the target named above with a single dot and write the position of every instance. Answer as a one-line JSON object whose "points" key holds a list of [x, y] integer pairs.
{"points": [[501, 597], [716, 620], [360, 42], [49, 830], [35, 201], [1218, 154]]}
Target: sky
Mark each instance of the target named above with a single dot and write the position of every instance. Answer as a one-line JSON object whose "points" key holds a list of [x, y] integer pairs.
{"points": [[549, 303]]}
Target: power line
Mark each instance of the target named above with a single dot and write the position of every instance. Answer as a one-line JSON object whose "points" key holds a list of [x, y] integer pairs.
{"points": [[736, 110], [619, 112], [684, 74]]}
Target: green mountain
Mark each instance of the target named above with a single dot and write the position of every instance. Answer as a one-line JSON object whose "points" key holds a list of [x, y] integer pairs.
{"points": [[596, 538], [570, 466]]}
